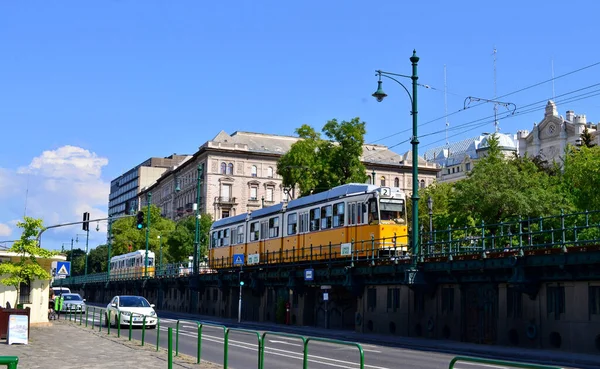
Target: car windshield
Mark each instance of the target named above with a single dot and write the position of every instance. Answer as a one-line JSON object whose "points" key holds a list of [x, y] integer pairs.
{"points": [[72, 298], [132, 301]]}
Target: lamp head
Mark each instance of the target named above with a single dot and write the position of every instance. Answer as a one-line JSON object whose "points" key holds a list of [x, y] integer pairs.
{"points": [[379, 94], [430, 203]]}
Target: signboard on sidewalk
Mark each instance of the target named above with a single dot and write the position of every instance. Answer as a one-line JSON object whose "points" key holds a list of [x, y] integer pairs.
{"points": [[18, 329]]}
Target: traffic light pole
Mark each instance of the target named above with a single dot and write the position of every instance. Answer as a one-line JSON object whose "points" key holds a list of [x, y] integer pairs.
{"points": [[240, 301], [87, 239], [108, 241], [149, 197], [197, 232]]}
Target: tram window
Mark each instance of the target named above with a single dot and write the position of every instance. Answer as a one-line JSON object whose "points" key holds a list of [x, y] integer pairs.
{"points": [[303, 222], [338, 214], [254, 231], [226, 233], [214, 240], [150, 262], [292, 223], [240, 234], [274, 227], [352, 215], [373, 213], [264, 229], [315, 216], [326, 217], [233, 235]]}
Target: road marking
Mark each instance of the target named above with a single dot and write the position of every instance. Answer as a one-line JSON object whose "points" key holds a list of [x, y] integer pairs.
{"points": [[478, 364], [273, 351], [286, 343]]}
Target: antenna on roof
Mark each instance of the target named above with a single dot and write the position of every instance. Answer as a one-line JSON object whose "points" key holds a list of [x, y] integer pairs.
{"points": [[495, 95], [552, 60], [446, 104]]}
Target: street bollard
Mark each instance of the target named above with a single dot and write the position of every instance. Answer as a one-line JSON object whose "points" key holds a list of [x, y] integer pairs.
{"points": [[143, 329], [170, 349]]}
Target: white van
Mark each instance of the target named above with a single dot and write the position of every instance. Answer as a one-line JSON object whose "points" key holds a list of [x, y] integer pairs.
{"points": [[60, 290]]}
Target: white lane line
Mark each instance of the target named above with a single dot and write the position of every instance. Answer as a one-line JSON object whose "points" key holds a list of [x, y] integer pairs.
{"points": [[458, 365], [285, 353]]}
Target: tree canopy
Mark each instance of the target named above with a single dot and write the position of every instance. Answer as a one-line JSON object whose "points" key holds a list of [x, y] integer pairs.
{"points": [[314, 164], [27, 269]]}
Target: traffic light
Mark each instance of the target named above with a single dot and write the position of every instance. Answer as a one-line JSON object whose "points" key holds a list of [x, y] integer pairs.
{"points": [[86, 223], [241, 283], [140, 220]]}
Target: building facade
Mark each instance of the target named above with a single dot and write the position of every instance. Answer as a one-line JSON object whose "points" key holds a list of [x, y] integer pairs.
{"points": [[239, 175], [458, 158], [549, 138], [125, 188]]}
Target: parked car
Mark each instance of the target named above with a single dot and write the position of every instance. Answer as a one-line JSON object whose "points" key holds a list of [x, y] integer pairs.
{"points": [[132, 309], [60, 290], [72, 302]]}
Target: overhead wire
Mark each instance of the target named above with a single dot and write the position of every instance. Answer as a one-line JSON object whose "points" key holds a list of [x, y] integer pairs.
{"points": [[476, 105]]}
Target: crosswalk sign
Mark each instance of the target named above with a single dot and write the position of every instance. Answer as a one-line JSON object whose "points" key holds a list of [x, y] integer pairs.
{"points": [[238, 259], [63, 268]]}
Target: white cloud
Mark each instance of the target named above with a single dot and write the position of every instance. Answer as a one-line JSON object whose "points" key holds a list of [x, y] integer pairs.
{"points": [[57, 186], [5, 230]]}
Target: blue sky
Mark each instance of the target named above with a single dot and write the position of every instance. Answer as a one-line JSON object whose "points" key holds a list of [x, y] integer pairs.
{"points": [[90, 89]]}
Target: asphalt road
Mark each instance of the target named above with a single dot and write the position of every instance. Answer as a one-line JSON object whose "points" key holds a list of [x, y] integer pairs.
{"points": [[283, 351]]}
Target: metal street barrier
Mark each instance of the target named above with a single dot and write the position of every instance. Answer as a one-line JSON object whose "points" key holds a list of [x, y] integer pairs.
{"points": [[513, 364], [337, 342], [264, 344], [10, 361], [226, 343]]}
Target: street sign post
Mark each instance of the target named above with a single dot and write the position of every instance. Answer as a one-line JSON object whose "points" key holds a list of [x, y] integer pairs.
{"points": [[63, 269], [238, 259]]}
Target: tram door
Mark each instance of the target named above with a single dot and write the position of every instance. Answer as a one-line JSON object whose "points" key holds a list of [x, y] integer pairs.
{"points": [[480, 313]]}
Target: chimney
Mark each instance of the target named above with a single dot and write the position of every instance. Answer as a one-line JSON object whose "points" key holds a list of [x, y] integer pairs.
{"points": [[570, 115]]}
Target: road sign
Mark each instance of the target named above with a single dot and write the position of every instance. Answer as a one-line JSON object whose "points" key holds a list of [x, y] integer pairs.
{"points": [[253, 259], [346, 249], [238, 259], [325, 287], [63, 268], [309, 274]]}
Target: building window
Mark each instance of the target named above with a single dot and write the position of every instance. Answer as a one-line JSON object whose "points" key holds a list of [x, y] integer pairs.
{"points": [[396, 182], [253, 171], [230, 168], [368, 180], [270, 172], [422, 183], [555, 301], [270, 194], [514, 303], [468, 166], [24, 293], [253, 193], [393, 299], [447, 300], [371, 299], [223, 168], [226, 192], [225, 214], [382, 180]]}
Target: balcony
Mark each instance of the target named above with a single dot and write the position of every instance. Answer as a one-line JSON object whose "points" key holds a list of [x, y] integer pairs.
{"points": [[224, 200]]}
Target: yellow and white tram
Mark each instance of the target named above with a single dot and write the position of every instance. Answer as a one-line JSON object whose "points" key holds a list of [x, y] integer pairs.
{"points": [[350, 220], [131, 265]]}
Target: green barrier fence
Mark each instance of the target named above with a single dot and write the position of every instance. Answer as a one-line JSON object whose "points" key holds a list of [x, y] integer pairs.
{"points": [[261, 340], [10, 361], [170, 349], [513, 364], [336, 342], [226, 344], [264, 344], [199, 346]]}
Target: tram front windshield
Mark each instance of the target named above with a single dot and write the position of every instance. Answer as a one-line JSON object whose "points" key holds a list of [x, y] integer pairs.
{"points": [[392, 209]]}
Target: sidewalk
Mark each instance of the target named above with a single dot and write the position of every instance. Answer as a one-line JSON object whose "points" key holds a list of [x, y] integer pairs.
{"points": [[538, 356], [65, 345]]}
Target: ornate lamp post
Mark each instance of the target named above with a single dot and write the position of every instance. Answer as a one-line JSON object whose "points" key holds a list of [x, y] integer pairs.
{"points": [[380, 95], [430, 208]]}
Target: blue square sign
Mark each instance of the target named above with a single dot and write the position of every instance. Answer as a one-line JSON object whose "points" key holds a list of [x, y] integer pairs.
{"points": [[309, 274], [63, 268], [238, 259]]}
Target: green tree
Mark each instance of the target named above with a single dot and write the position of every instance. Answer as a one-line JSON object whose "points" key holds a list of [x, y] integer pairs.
{"points": [[499, 189], [97, 259], [180, 242], [125, 233], [587, 139], [582, 176], [77, 261], [315, 164], [27, 269]]}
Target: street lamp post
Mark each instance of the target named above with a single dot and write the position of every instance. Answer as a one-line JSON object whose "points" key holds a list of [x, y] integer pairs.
{"points": [[380, 95], [160, 258], [197, 232], [109, 244], [148, 197], [430, 208]]}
